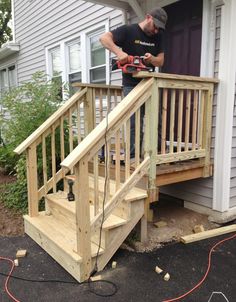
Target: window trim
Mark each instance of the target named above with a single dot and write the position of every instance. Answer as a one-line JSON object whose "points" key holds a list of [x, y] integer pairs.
{"points": [[63, 45]]}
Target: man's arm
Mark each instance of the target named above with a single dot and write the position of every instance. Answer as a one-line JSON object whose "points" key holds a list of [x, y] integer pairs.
{"points": [[156, 61], [108, 42]]}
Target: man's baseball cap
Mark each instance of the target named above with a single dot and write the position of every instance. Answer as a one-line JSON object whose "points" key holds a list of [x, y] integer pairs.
{"points": [[159, 17]]}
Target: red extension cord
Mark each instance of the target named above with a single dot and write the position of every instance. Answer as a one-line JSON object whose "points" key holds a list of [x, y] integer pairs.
{"points": [[170, 300], [207, 271], [8, 277]]}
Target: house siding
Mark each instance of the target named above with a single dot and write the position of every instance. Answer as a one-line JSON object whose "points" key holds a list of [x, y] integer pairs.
{"points": [[201, 191], [41, 24]]}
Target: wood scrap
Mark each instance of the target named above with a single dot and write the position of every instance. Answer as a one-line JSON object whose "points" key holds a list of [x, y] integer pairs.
{"points": [[114, 264], [16, 262], [167, 277], [208, 234], [198, 228], [160, 224], [96, 278], [21, 253], [158, 270]]}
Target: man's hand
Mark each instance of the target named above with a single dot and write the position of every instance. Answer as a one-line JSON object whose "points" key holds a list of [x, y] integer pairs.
{"points": [[122, 57], [148, 58]]}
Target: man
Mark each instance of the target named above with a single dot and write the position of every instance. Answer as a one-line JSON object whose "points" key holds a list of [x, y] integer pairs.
{"points": [[142, 39]]}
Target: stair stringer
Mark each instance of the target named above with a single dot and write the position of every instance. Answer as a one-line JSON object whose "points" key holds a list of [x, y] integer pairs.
{"points": [[115, 237]]}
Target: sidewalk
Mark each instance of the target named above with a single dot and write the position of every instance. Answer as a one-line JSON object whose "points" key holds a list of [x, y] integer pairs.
{"points": [[134, 276]]}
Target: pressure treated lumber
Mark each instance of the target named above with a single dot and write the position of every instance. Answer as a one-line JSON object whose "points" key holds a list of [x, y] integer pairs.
{"points": [[208, 234]]}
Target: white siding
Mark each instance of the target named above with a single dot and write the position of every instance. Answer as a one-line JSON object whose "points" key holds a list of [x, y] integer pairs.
{"points": [[41, 24]]}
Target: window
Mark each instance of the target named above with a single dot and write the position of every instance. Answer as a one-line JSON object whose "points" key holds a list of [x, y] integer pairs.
{"points": [[79, 59], [97, 70], [74, 54], [7, 79]]}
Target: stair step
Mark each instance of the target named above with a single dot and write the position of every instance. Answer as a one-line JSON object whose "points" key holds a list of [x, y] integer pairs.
{"points": [[134, 194], [46, 230], [57, 201]]}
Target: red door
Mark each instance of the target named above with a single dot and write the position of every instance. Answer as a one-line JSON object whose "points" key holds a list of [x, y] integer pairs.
{"points": [[183, 37]]}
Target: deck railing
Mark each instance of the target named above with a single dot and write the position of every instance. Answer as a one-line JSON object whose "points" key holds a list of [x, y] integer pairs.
{"points": [[177, 127]]}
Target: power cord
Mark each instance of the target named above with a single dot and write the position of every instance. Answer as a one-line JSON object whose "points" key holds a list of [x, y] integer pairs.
{"points": [[95, 269], [207, 271]]}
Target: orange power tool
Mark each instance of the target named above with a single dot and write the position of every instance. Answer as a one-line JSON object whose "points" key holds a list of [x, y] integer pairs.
{"points": [[134, 64]]}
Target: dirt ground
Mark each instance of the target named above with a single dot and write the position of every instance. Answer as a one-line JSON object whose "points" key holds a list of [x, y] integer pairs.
{"points": [[11, 222], [179, 221]]}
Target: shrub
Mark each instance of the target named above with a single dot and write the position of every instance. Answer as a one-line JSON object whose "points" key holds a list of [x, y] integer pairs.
{"points": [[26, 108]]}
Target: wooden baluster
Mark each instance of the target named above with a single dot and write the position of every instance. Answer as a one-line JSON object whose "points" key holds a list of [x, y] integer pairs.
{"points": [[137, 137], [115, 97], [53, 154], [32, 180], [127, 150], [195, 113], [201, 117], [96, 185], [180, 120], [62, 147], [117, 161], [70, 126], [163, 123], [172, 120], [78, 123], [82, 216], [107, 169], [101, 105], [187, 119]]}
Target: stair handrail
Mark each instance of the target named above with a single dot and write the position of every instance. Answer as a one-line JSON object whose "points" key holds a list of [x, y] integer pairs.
{"points": [[113, 118], [50, 121]]}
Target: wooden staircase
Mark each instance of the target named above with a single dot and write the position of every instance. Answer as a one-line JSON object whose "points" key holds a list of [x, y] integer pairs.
{"points": [[107, 196], [55, 229]]}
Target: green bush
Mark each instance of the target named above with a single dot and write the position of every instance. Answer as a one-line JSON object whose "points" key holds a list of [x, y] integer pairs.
{"points": [[27, 107]]}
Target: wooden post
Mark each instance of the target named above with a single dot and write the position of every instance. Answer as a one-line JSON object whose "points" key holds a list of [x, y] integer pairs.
{"points": [[151, 141], [89, 108], [207, 124], [32, 180], [82, 214]]}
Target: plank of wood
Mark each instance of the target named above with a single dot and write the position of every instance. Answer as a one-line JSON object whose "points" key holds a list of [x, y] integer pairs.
{"points": [[208, 234]]}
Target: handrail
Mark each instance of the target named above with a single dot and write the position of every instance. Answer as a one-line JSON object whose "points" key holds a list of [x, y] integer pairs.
{"points": [[121, 110], [49, 122], [169, 76]]}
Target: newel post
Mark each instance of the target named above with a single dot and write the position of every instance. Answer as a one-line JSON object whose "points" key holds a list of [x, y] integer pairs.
{"points": [[32, 180], [82, 216], [207, 127], [89, 111], [151, 139]]}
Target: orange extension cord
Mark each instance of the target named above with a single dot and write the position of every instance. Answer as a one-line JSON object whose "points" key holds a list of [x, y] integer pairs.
{"points": [[207, 271], [8, 277]]}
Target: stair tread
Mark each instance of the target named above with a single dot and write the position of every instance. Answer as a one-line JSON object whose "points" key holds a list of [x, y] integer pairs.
{"points": [[60, 198], [59, 233], [134, 194]]}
